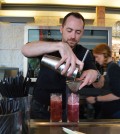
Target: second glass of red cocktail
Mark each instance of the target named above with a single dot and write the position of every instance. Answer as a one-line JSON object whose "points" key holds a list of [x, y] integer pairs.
{"points": [[73, 108]]}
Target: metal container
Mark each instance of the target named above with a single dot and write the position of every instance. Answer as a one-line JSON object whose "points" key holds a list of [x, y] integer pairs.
{"points": [[52, 61]]}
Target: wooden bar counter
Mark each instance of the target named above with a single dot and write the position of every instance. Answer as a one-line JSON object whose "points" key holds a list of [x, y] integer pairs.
{"points": [[87, 127]]}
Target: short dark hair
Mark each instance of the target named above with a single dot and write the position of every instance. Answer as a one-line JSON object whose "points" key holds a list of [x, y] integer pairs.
{"points": [[76, 15]]}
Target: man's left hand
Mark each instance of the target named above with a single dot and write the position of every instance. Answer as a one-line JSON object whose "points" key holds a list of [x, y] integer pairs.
{"points": [[88, 77]]}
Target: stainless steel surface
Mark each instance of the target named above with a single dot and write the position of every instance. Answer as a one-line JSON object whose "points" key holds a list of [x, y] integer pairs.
{"points": [[52, 61], [88, 127]]}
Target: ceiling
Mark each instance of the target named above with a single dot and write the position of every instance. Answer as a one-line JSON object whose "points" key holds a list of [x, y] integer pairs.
{"points": [[32, 8], [107, 3]]}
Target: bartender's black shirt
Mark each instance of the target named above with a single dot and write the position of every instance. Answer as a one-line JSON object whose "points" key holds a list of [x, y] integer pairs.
{"points": [[49, 81]]}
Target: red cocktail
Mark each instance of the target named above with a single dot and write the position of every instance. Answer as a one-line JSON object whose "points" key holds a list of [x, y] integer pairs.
{"points": [[56, 108], [73, 113], [73, 108]]}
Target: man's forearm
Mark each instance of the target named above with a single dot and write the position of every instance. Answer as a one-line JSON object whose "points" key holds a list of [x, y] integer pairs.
{"points": [[38, 48]]}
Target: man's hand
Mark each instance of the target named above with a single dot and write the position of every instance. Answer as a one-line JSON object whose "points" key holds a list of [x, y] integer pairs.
{"points": [[69, 58], [87, 77]]}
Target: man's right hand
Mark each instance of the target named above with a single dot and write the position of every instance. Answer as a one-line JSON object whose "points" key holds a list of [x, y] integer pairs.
{"points": [[69, 58]]}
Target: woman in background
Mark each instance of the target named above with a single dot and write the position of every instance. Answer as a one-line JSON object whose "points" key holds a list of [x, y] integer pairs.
{"points": [[109, 83]]}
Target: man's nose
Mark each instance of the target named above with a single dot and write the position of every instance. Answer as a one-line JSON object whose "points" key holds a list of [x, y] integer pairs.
{"points": [[73, 35]]}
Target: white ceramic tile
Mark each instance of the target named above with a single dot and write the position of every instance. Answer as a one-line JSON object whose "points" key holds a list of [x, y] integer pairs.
{"points": [[17, 59], [6, 36], [18, 36], [5, 56]]}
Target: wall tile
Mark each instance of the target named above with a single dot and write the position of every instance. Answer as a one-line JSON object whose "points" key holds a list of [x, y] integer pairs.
{"points": [[18, 36], [11, 41], [6, 36], [5, 56], [17, 59]]}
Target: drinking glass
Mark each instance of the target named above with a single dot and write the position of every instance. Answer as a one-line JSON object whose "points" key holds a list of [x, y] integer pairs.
{"points": [[11, 123], [73, 108], [24, 107], [55, 107]]}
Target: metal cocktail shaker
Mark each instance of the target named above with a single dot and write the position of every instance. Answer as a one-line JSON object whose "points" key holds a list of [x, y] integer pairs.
{"points": [[51, 62]]}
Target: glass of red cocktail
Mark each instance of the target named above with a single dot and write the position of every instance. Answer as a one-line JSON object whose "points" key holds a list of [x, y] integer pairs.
{"points": [[73, 108], [55, 107]]}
